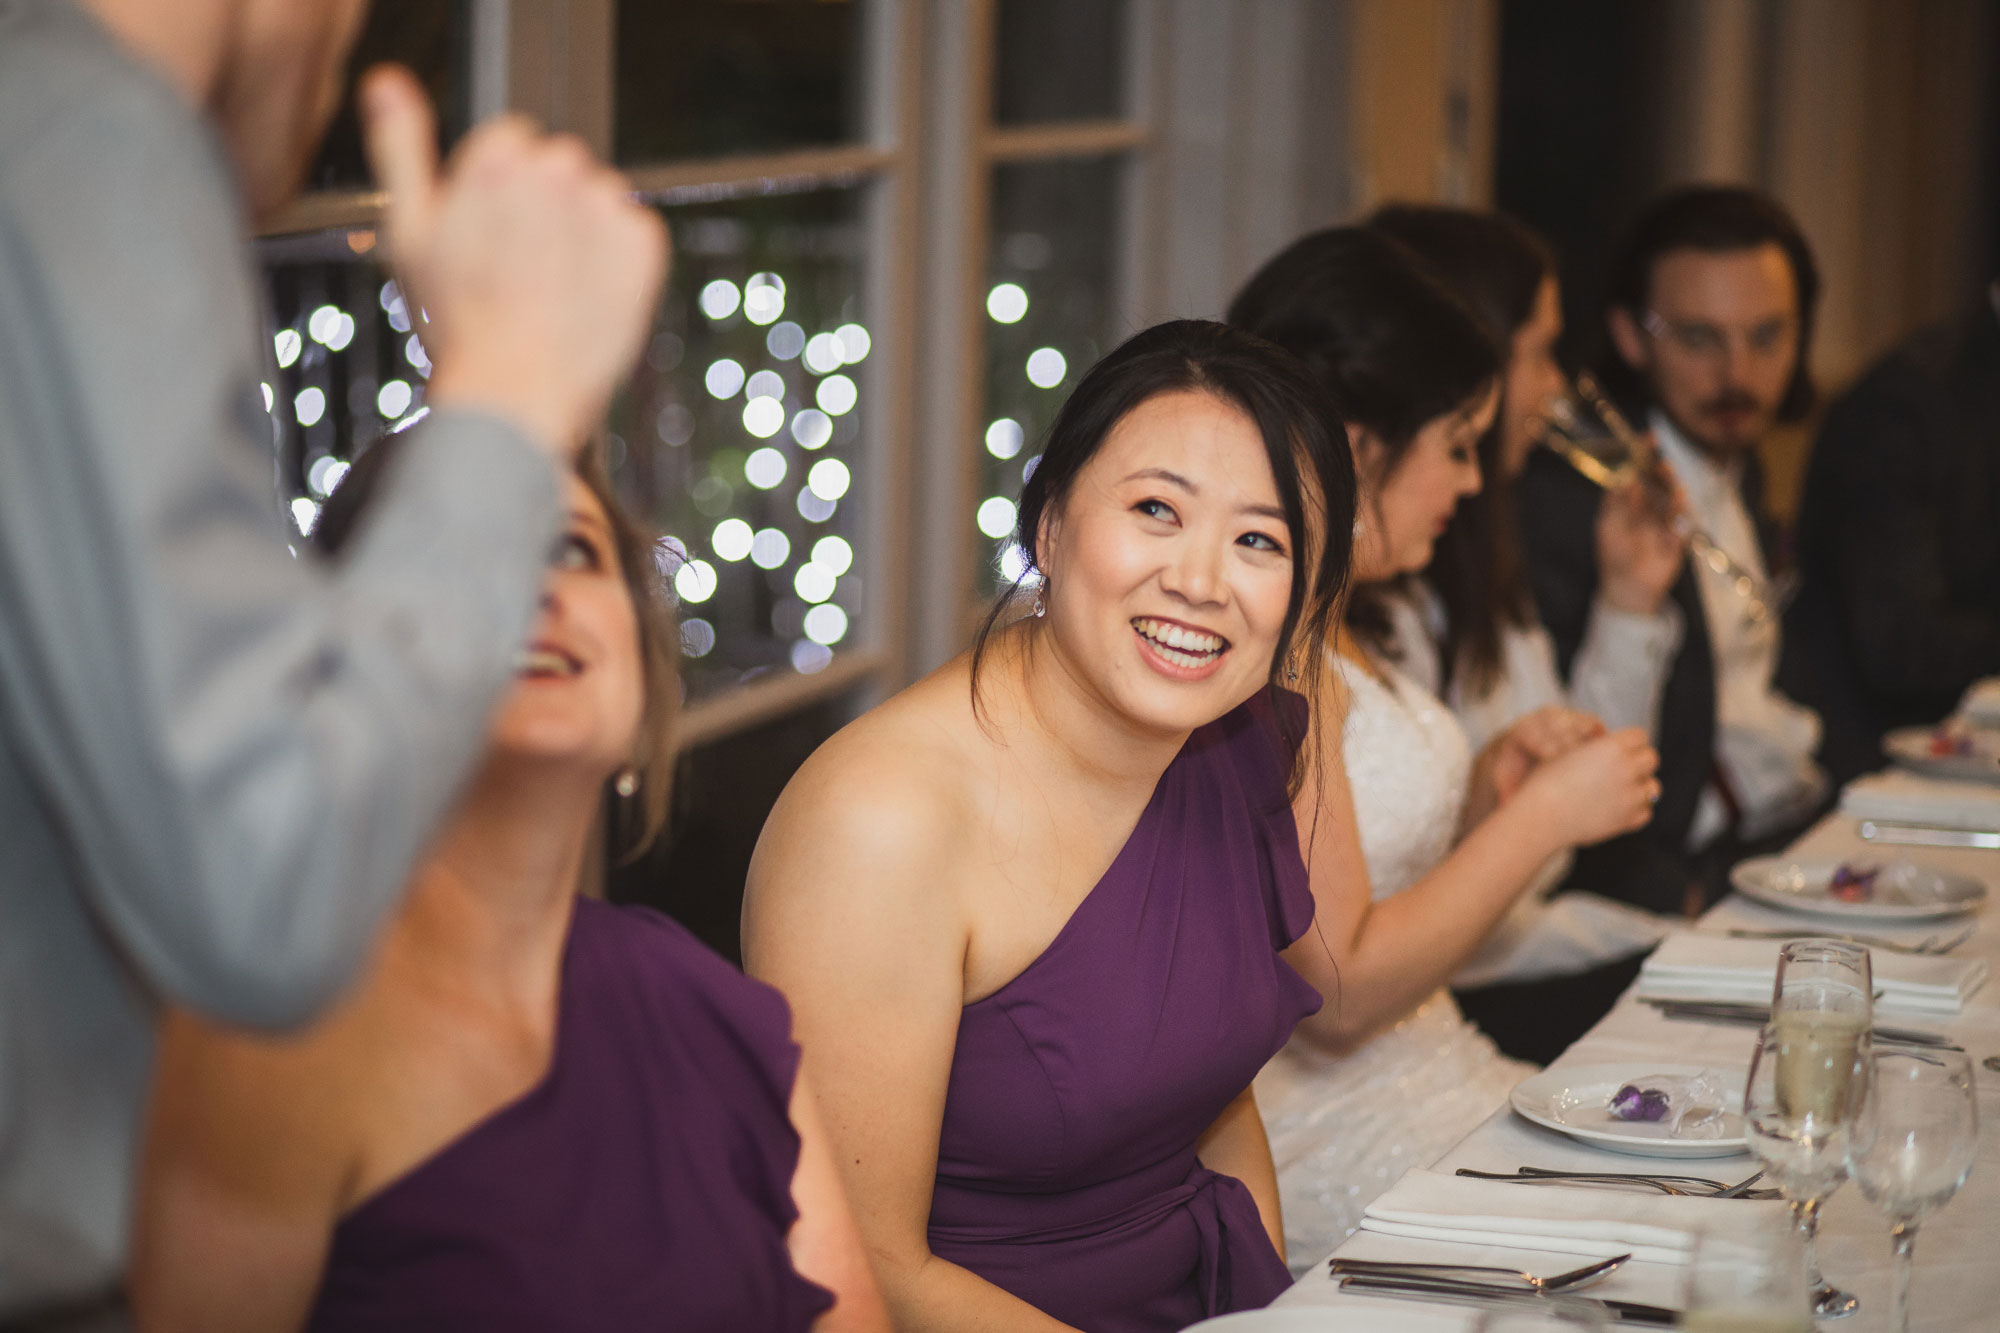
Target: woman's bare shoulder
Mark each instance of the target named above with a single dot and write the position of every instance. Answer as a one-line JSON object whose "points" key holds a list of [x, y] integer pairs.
{"points": [[914, 760], [884, 809]]}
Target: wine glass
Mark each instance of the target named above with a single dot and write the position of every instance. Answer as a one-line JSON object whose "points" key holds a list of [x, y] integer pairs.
{"points": [[1754, 1283], [1593, 436], [1799, 1102], [1912, 1146]]}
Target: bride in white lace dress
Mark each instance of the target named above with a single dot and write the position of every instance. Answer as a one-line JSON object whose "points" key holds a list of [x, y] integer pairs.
{"points": [[1416, 848]]}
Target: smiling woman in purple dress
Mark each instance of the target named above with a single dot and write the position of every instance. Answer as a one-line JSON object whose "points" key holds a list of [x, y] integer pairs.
{"points": [[536, 1112], [1029, 911]]}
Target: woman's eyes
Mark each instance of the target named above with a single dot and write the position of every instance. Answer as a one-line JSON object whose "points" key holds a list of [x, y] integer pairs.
{"points": [[573, 551], [1160, 509]]}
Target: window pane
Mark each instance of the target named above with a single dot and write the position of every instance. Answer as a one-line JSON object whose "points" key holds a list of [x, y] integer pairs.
{"points": [[1051, 310], [348, 364], [1059, 60], [432, 37], [740, 436], [707, 77]]}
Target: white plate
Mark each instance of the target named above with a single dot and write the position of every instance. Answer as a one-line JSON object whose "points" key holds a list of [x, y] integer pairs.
{"points": [[1904, 891], [1574, 1101], [1911, 747]]}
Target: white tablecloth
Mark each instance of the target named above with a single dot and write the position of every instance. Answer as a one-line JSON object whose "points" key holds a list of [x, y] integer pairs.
{"points": [[1957, 1284]]}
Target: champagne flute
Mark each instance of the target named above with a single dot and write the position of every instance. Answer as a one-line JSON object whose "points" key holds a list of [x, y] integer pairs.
{"points": [[1749, 1284], [1593, 436], [1830, 978], [1912, 1147], [1799, 1103]]}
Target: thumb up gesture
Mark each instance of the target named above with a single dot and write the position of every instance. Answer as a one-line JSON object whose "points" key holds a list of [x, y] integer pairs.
{"points": [[536, 271]]}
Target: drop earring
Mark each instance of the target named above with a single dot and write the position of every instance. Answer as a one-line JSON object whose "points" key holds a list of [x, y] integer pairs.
{"points": [[626, 783], [1041, 607]]}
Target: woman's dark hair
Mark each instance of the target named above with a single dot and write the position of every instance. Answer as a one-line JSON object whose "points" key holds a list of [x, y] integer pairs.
{"points": [[1304, 442], [1394, 348], [635, 822], [1714, 219], [1497, 266]]}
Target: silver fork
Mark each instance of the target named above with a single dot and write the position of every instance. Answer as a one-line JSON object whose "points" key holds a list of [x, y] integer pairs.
{"points": [[1570, 1281], [1716, 1189]]}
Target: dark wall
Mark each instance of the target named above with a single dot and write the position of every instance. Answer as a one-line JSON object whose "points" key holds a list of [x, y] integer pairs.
{"points": [[1581, 88], [722, 794]]}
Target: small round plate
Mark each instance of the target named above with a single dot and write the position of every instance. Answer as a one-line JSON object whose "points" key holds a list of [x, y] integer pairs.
{"points": [[1575, 1101], [1911, 748], [1903, 891]]}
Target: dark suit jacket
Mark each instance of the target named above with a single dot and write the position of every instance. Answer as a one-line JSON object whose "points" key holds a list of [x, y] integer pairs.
{"points": [[1558, 517], [1899, 543]]}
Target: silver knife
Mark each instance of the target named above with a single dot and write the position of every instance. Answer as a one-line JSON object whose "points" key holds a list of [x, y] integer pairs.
{"points": [[1451, 1292], [1925, 835], [1751, 1015]]}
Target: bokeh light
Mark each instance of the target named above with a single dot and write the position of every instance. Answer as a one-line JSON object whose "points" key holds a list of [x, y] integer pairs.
{"points": [[731, 539], [996, 516], [828, 479], [1046, 367], [720, 298], [770, 549], [764, 468], [1004, 437], [1007, 302], [812, 428], [826, 624]]}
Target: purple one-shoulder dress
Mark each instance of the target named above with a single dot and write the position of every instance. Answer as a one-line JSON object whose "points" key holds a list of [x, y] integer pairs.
{"points": [[644, 1183], [1066, 1166]]}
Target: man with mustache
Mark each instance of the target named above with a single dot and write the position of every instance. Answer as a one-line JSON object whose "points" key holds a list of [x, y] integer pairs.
{"points": [[1710, 318], [218, 761]]}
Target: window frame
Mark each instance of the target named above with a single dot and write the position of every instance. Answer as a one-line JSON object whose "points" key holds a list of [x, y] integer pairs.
{"points": [[923, 162]]}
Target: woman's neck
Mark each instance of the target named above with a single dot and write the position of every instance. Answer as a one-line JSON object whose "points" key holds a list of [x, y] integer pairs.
{"points": [[1066, 721], [490, 906]]}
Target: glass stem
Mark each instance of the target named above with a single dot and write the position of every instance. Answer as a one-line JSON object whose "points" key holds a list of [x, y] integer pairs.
{"points": [[1903, 1243], [1806, 1213]]}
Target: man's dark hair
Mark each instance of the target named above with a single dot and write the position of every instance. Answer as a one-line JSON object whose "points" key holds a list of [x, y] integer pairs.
{"points": [[1715, 219]]}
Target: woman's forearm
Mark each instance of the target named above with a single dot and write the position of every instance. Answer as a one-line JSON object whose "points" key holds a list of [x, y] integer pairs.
{"points": [[1400, 950], [1235, 1145], [927, 1294]]}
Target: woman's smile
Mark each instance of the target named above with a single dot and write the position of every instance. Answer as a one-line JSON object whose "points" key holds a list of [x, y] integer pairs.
{"points": [[1179, 650]]}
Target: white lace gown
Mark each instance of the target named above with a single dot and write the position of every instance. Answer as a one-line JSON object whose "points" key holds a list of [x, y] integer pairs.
{"points": [[1344, 1128]]}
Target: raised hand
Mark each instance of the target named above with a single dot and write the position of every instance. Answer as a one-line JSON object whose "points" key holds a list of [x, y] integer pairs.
{"points": [[1598, 790], [1639, 548], [537, 272]]}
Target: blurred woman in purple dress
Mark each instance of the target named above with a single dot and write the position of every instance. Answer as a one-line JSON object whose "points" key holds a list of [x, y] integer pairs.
{"points": [[537, 1111], [1030, 910]]}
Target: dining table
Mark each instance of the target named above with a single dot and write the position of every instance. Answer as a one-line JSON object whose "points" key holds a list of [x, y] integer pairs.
{"points": [[1957, 1276]]}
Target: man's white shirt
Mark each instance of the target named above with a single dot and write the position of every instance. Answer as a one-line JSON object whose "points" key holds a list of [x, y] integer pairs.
{"points": [[1764, 742]]}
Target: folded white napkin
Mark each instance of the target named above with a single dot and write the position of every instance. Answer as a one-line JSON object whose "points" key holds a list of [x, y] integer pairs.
{"points": [[1907, 798], [1581, 1220], [1981, 705], [1693, 966]]}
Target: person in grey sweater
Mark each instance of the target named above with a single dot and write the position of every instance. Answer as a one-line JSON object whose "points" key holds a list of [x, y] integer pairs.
{"points": [[218, 761]]}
